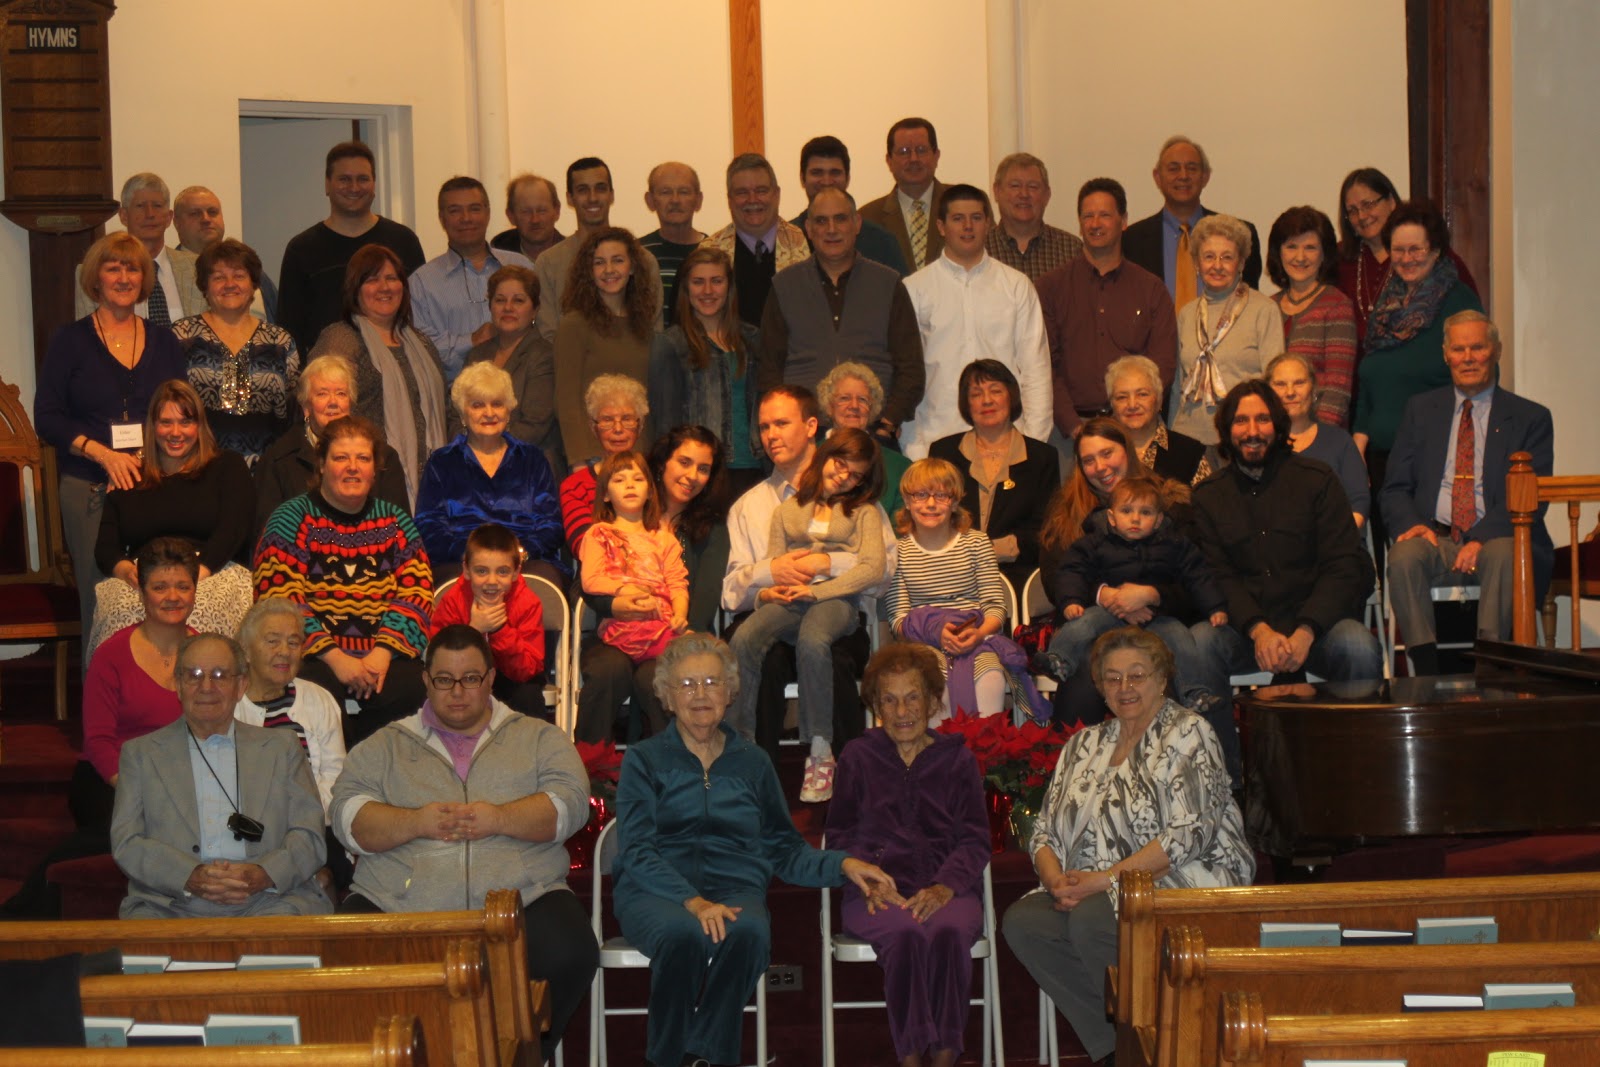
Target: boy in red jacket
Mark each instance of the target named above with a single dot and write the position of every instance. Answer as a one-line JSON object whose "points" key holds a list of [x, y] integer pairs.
{"points": [[491, 597]]}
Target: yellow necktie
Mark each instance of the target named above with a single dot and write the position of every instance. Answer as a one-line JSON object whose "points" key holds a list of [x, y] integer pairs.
{"points": [[1184, 291], [919, 234]]}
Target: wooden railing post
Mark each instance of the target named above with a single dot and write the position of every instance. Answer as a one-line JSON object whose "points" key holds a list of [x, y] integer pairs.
{"points": [[1522, 501]]}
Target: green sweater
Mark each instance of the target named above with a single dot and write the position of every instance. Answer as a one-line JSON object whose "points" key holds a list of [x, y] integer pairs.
{"points": [[1390, 378]]}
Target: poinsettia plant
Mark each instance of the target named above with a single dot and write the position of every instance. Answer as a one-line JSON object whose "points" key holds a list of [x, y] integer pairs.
{"points": [[603, 763], [1015, 760]]}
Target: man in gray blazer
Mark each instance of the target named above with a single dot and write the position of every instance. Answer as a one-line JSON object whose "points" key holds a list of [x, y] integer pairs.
{"points": [[215, 817], [146, 212]]}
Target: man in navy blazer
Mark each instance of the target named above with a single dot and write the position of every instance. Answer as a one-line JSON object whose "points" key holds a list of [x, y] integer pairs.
{"points": [[215, 817], [1181, 173], [1418, 494]]}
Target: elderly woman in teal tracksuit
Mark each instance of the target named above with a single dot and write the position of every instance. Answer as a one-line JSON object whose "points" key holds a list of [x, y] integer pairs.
{"points": [[703, 826]]}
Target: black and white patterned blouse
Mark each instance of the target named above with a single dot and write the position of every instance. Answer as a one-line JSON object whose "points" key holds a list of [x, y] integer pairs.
{"points": [[249, 394]]}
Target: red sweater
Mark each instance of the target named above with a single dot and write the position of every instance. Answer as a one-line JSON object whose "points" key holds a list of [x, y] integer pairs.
{"points": [[518, 646]]}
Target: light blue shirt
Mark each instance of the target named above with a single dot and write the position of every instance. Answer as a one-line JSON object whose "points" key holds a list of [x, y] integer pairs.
{"points": [[770, 239], [213, 789], [1169, 246], [1480, 436], [449, 300]]}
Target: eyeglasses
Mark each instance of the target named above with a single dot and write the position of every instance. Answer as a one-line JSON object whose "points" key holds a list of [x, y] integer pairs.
{"points": [[922, 496], [913, 150], [1362, 207], [611, 422], [689, 686], [1132, 678], [196, 675], [444, 682]]}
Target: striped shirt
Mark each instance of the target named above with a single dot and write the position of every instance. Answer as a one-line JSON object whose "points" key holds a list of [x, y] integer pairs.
{"points": [[963, 575]]}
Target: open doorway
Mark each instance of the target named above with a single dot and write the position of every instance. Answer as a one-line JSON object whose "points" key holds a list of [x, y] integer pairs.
{"points": [[282, 145]]}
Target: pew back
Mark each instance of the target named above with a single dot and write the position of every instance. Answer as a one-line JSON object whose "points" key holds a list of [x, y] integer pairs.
{"points": [[1430, 1039], [396, 1042], [1353, 980], [1557, 907], [341, 941], [335, 1005]]}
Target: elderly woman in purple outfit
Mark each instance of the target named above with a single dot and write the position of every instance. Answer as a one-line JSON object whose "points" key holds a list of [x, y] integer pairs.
{"points": [[911, 801]]}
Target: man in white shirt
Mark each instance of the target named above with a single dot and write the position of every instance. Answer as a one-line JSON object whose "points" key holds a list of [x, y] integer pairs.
{"points": [[787, 421], [449, 293], [908, 209], [146, 212], [971, 306]]}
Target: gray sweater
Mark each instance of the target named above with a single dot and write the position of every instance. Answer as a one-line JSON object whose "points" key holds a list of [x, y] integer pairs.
{"points": [[406, 766], [860, 533]]}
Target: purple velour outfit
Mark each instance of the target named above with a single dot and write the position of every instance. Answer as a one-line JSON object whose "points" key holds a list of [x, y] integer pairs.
{"points": [[922, 824]]}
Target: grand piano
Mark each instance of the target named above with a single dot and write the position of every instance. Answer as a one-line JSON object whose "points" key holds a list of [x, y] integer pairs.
{"points": [[1510, 748]]}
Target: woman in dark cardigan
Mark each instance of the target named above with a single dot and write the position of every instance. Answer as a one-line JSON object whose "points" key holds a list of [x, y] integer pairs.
{"points": [[1010, 478]]}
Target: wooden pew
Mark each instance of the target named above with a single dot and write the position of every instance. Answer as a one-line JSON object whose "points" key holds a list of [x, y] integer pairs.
{"points": [[1350, 980], [396, 1042], [1252, 1038], [1556, 907], [1525, 493], [336, 1005], [341, 940]]}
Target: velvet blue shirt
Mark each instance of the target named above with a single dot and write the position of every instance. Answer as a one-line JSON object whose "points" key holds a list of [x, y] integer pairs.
{"points": [[456, 497]]}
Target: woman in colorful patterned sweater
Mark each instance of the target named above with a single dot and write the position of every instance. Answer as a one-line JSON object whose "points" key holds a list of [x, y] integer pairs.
{"points": [[356, 563]]}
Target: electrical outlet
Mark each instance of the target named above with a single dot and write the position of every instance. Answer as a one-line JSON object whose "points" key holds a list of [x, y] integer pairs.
{"points": [[781, 979]]}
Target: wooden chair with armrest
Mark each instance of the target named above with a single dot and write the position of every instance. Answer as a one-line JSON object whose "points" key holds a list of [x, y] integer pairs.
{"points": [[38, 601], [1525, 492]]}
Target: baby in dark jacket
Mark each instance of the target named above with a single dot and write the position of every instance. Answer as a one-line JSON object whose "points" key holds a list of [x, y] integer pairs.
{"points": [[1134, 542], [1140, 545]]}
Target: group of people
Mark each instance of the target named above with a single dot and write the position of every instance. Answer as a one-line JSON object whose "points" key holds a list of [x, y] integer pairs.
{"points": [[783, 432]]}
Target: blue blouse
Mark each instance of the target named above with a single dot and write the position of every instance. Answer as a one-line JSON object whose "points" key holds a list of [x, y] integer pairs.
{"points": [[456, 497]]}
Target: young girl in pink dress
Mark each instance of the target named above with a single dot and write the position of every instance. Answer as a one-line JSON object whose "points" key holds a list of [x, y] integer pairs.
{"points": [[630, 551]]}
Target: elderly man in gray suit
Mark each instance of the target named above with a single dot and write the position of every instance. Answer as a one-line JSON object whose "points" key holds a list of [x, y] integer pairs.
{"points": [[215, 817]]}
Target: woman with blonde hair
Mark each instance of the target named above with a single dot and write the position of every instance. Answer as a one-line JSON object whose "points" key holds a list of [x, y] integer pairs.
{"points": [[94, 386]]}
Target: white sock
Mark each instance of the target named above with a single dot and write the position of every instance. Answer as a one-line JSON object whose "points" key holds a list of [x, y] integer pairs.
{"points": [[821, 748], [990, 691]]}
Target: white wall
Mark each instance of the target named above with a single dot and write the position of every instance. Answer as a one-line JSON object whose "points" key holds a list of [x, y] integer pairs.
{"points": [[618, 81], [180, 67], [1286, 98], [1554, 159]]}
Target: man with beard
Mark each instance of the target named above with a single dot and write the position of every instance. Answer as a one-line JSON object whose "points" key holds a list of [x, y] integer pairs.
{"points": [[1278, 530]]}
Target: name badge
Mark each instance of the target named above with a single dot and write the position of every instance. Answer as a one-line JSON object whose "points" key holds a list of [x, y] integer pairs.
{"points": [[127, 435]]}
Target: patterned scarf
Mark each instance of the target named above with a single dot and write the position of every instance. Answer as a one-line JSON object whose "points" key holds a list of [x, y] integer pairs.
{"points": [[1205, 386], [1397, 319]]}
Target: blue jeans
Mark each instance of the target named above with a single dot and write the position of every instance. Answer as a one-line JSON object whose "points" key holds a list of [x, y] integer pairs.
{"points": [[1346, 652], [812, 627], [1076, 637]]}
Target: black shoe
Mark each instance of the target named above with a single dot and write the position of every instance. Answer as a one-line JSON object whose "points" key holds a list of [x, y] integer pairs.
{"points": [[1048, 662]]}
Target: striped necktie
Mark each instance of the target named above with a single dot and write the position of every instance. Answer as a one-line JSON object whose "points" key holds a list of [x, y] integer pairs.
{"points": [[919, 234]]}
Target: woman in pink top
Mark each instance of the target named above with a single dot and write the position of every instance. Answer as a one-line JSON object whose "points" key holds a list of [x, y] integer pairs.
{"points": [[130, 690]]}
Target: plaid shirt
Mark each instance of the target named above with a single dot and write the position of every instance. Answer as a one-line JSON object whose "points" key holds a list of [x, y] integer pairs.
{"points": [[1051, 249]]}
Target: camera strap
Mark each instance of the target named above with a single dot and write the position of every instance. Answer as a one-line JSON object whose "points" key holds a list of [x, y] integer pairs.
{"points": [[213, 770]]}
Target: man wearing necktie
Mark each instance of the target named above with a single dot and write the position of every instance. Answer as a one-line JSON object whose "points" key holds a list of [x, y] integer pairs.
{"points": [[1446, 489], [1160, 243], [908, 210], [146, 212]]}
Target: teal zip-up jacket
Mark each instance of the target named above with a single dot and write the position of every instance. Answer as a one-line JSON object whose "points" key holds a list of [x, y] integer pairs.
{"points": [[685, 832]]}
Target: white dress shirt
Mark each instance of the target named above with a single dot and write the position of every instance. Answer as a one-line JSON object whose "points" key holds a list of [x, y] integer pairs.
{"points": [[989, 312]]}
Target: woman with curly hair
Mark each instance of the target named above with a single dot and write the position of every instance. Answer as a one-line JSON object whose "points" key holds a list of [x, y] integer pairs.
{"points": [[608, 315]]}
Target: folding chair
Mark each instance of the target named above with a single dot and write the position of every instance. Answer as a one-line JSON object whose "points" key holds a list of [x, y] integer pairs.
{"points": [[616, 952], [843, 948], [558, 681], [1036, 604]]}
